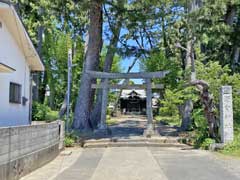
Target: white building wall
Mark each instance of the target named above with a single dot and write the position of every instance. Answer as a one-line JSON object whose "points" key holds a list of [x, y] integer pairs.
{"points": [[10, 54]]}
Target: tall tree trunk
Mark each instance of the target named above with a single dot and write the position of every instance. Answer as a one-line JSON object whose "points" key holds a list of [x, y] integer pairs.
{"points": [[96, 113], [190, 64], [236, 53], [229, 20], [230, 14], [107, 68], [82, 109]]}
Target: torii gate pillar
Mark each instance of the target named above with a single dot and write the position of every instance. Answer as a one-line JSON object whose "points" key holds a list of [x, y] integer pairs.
{"points": [[150, 131]]}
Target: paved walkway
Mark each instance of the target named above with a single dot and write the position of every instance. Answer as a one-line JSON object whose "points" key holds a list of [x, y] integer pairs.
{"points": [[135, 125], [128, 126], [138, 163]]}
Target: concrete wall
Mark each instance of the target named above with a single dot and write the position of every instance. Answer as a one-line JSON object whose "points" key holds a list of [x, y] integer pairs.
{"points": [[25, 148], [10, 54]]}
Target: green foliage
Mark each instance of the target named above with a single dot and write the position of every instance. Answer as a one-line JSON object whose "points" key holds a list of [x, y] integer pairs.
{"points": [[52, 116], [218, 76], [201, 135], [170, 104], [62, 25], [55, 50], [170, 120], [234, 147], [71, 138], [206, 143], [158, 62], [39, 111], [111, 121], [200, 121], [68, 141]]}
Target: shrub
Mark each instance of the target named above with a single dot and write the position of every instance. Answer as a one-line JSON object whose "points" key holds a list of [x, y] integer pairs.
{"points": [[170, 103], [201, 129], [39, 111], [206, 143], [68, 141], [51, 116], [234, 147]]}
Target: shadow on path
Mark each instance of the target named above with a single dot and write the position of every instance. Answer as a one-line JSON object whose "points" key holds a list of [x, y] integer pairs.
{"points": [[127, 127]]}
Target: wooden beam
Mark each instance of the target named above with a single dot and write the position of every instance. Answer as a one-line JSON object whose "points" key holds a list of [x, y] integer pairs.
{"points": [[140, 75], [123, 86]]}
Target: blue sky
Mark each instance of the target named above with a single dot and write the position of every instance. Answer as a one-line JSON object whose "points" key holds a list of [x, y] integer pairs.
{"points": [[125, 63]]}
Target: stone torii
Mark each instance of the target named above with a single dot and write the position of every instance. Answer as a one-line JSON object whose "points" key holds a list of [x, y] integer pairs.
{"points": [[141, 75]]}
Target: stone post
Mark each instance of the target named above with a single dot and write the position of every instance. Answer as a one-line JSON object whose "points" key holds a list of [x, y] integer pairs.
{"points": [[150, 127], [61, 125], [104, 105], [149, 103], [226, 114]]}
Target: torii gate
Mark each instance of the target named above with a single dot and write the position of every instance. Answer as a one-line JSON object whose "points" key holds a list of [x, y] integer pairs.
{"points": [[148, 76]]}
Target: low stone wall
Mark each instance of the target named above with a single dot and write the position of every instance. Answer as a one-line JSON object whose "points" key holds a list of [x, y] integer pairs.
{"points": [[26, 148]]}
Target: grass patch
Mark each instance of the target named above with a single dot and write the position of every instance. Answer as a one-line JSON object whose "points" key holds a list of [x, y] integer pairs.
{"points": [[233, 149], [111, 122]]}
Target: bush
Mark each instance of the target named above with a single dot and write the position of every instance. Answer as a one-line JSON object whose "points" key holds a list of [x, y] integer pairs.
{"points": [[68, 141], [51, 116], [201, 129], [206, 143], [234, 147], [39, 111], [172, 99]]}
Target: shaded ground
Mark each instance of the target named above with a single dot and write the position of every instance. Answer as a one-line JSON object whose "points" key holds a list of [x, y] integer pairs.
{"points": [[131, 126], [135, 125]]}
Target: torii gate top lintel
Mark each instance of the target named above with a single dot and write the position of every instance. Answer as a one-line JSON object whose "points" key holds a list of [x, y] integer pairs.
{"points": [[138, 75]]}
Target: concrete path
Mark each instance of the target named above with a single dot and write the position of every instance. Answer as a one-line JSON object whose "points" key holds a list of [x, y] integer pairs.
{"points": [[64, 161], [140, 163]]}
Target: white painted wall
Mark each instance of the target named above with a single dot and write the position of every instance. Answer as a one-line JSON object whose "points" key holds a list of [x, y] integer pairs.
{"points": [[11, 55]]}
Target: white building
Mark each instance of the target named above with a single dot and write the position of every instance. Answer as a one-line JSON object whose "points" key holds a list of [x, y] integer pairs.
{"points": [[18, 58]]}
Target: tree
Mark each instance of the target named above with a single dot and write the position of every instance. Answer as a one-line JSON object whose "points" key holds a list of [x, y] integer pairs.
{"points": [[55, 54], [92, 58], [115, 27], [44, 18]]}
